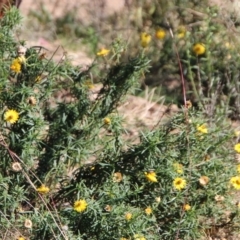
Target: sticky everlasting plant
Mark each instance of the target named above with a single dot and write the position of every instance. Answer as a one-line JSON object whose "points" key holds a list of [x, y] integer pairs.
{"points": [[68, 172]]}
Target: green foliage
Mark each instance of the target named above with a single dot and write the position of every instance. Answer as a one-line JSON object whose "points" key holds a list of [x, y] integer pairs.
{"points": [[210, 78], [68, 172]]}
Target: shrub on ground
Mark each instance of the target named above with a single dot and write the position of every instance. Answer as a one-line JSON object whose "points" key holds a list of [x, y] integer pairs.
{"points": [[67, 171]]}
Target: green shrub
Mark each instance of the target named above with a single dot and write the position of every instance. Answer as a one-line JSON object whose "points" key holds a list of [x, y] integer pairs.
{"points": [[68, 172]]}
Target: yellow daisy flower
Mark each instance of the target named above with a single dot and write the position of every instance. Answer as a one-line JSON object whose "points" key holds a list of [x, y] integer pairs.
{"points": [[128, 216], [179, 183], [202, 128], [237, 147], [199, 49], [160, 34], [20, 238], [145, 39], [148, 210], [139, 237], [235, 182], [186, 207], [151, 176], [80, 205], [103, 52], [16, 65], [11, 116], [107, 121], [43, 189]]}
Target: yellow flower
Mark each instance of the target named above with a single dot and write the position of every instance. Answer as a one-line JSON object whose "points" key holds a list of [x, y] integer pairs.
{"points": [[160, 34], [237, 147], [158, 199], [16, 65], [203, 180], [28, 223], [186, 207], [11, 116], [139, 237], [202, 128], [128, 216], [20, 238], [117, 177], [123, 238], [151, 176], [107, 121], [178, 168], [43, 189], [148, 210], [80, 205], [199, 49], [103, 52], [235, 181], [179, 183], [145, 39], [181, 32]]}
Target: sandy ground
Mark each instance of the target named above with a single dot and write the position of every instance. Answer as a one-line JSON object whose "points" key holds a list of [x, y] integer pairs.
{"points": [[83, 7], [86, 11]]}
